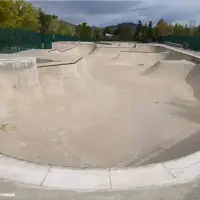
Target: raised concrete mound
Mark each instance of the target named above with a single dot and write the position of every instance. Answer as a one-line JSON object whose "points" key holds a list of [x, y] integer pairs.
{"points": [[119, 112], [173, 70], [137, 58]]}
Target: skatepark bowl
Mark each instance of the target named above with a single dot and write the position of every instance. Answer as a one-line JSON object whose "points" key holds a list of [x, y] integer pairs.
{"points": [[99, 106]]}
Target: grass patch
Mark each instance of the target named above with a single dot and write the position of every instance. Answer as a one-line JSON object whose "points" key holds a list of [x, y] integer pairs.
{"points": [[7, 127]]}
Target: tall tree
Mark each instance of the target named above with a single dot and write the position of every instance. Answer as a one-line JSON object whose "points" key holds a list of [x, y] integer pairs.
{"points": [[97, 34], [144, 32], [18, 14], [83, 30], [117, 30], [139, 27], [138, 32], [53, 27], [162, 28], [125, 33], [5, 12], [26, 15], [45, 21], [150, 31], [51, 24], [108, 30], [64, 29]]}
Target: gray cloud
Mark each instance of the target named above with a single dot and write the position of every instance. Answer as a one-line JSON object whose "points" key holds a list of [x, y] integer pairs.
{"points": [[101, 13]]}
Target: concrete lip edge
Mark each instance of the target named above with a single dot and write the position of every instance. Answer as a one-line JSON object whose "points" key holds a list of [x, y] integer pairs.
{"points": [[172, 172]]}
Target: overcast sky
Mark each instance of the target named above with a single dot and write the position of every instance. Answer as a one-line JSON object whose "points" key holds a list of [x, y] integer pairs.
{"points": [[102, 13]]}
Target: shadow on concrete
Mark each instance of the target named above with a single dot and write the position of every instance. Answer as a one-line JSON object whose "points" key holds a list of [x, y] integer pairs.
{"points": [[173, 56], [190, 111], [193, 80], [188, 146]]}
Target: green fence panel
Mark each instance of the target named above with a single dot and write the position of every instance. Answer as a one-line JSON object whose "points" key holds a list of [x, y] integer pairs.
{"points": [[64, 38], [28, 40], [192, 41], [70, 38], [8, 43], [47, 41], [14, 40]]}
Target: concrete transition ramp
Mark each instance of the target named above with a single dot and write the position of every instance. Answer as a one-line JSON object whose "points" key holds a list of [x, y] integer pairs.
{"points": [[114, 107]]}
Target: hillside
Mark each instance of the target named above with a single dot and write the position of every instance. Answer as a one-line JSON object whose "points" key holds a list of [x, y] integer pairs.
{"points": [[125, 24]]}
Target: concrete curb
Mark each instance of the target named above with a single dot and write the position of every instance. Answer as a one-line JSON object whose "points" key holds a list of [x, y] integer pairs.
{"points": [[172, 172], [187, 54]]}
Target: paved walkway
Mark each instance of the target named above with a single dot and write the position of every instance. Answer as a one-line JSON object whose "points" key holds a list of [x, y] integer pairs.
{"points": [[189, 191]]}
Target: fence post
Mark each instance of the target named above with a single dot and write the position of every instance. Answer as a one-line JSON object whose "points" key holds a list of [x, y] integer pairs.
{"points": [[17, 42], [9, 44]]}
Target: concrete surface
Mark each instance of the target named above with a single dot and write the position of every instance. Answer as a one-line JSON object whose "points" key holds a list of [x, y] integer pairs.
{"points": [[182, 170], [188, 191], [124, 80], [140, 103]]}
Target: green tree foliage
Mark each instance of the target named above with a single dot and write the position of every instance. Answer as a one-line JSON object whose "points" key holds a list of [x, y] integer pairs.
{"points": [[138, 33], [144, 32], [97, 34], [178, 29], [117, 30], [150, 32], [125, 33], [5, 12], [108, 30], [27, 15], [83, 30], [45, 21], [65, 29], [18, 14], [23, 15], [162, 28], [196, 31], [51, 24]]}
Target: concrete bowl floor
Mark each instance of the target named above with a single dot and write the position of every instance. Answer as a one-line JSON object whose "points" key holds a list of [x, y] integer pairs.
{"points": [[116, 107]]}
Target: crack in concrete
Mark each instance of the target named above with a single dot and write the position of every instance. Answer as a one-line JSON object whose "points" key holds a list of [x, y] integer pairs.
{"points": [[48, 170], [110, 182], [170, 173], [180, 168]]}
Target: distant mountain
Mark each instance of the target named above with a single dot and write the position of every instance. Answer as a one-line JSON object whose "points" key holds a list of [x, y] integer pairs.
{"points": [[95, 27], [127, 24], [73, 25], [113, 27]]}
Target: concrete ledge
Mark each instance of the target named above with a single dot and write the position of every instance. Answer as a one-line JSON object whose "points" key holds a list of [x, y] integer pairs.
{"points": [[186, 54], [54, 64], [168, 173], [77, 179], [174, 44], [20, 171], [17, 63], [149, 176], [61, 50]]}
